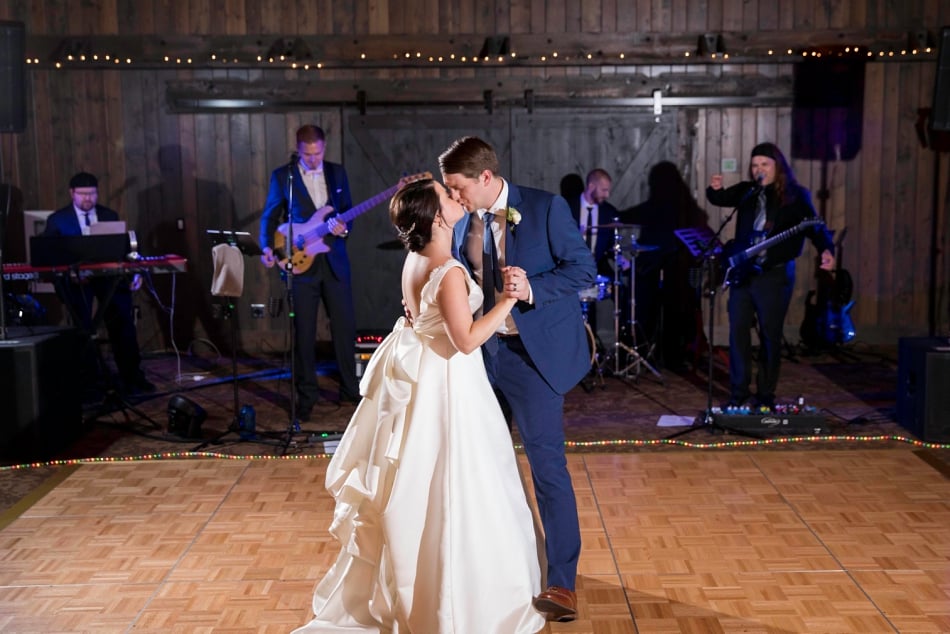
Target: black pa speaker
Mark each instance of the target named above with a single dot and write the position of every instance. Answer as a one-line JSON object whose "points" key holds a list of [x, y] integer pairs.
{"points": [[40, 392], [828, 109], [940, 115], [923, 397], [12, 70]]}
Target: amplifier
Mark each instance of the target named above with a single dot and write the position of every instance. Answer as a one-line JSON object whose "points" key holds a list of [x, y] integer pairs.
{"points": [[366, 344], [762, 424]]}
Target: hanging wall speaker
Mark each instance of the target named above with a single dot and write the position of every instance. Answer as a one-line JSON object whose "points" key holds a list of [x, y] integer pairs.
{"points": [[12, 71]]}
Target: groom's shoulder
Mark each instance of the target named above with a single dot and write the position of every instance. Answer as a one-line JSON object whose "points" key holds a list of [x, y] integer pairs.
{"points": [[533, 195]]}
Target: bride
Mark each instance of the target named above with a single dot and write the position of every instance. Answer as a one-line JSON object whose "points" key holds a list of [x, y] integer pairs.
{"points": [[435, 531]]}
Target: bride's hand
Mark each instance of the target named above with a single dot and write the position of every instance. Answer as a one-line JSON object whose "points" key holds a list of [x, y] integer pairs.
{"points": [[515, 282]]}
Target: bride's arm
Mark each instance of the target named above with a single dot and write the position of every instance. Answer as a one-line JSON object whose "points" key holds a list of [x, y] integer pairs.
{"points": [[465, 333]]}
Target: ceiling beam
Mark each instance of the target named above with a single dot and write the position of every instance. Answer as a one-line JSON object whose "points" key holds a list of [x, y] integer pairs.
{"points": [[466, 50], [674, 89]]}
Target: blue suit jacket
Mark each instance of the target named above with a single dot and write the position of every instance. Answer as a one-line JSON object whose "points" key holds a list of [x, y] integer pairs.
{"points": [[548, 246], [338, 190], [63, 222]]}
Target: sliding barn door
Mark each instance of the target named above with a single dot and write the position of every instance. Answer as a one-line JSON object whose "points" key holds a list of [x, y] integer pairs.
{"points": [[535, 149]]}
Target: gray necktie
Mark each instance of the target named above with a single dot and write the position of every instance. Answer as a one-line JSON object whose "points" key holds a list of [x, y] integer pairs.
{"points": [[760, 217]]}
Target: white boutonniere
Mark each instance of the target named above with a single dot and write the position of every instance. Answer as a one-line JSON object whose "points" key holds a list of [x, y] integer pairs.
{"points": [[514, 217]]}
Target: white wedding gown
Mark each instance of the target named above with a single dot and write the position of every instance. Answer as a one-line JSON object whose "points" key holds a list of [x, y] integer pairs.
{"points": [[431, 514]]}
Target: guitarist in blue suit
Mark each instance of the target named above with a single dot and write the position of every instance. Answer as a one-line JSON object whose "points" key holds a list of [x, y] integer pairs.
{"points": [[541, 351], [322, 189], [771, 202]]}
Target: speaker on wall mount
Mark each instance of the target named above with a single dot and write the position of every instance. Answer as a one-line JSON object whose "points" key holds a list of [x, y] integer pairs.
{"points": [[828, 109], [940, 114], [12, 71]]}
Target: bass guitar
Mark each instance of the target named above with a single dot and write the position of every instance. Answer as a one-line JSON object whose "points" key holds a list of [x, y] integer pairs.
{"points": [[743, 264], [827, 320], [310, 236]]}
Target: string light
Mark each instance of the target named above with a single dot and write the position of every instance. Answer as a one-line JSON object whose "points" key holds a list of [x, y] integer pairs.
{"points": [[73, 54], [570, 444]]}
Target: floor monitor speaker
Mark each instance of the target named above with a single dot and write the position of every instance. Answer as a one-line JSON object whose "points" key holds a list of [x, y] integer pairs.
{"points": [[923, 397]]}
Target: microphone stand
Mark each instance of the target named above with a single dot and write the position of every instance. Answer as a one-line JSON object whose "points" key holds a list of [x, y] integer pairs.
{"points": [[293, 425], [709, 253], [3, 235]]}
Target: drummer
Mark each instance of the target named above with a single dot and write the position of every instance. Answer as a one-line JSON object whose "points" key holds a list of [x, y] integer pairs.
{"points": [[592, 211]]}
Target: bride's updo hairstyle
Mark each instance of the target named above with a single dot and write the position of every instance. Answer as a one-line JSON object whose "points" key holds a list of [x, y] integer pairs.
{"points": [[412, 211]]}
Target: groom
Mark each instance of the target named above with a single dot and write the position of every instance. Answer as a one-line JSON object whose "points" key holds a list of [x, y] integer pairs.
{"points": [[542, 351]]}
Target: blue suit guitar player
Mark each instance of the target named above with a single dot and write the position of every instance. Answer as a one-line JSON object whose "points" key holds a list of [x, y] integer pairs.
{"points": [[541, 352], [772, 202], [75, 220], [321, 191]]}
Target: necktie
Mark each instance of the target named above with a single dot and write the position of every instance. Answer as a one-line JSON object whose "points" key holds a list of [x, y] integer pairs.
{"points": [[590, 228], [760, 217], [759, 225], [491, 275], [85, 216]]}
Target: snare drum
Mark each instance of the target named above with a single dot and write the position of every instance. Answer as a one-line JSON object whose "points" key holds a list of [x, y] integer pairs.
{"points": [[598, 292]]}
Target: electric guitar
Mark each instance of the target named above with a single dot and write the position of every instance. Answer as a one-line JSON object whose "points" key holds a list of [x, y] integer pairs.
{"points": [[827, 320], [743, 263], [309, 236]]}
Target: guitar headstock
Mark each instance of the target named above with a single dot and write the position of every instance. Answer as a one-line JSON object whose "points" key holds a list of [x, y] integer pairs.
{"points": [[411, 178]]}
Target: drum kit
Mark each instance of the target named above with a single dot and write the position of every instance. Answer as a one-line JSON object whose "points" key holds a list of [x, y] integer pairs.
{"points": [[627, 360]]}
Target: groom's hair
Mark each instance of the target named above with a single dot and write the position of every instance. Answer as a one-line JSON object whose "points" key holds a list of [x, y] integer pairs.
{"points": [[469, 156]]}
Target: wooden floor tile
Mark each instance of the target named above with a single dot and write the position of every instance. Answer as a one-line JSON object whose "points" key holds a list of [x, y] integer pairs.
{"points": [[674, 541]]}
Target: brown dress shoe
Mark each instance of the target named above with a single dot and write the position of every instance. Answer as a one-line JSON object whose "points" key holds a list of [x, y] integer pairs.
{"points": [[557, 604]]}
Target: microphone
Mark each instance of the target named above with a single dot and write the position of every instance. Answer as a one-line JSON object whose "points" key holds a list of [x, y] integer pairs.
{"points": [[294, 159], [760, 179]]}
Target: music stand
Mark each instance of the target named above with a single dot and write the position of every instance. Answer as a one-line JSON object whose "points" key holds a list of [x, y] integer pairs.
{"points": [[225, 285], [703, 243]]}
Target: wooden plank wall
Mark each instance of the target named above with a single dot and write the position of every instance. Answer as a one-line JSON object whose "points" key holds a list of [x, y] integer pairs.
{"points": [[212, 170]]}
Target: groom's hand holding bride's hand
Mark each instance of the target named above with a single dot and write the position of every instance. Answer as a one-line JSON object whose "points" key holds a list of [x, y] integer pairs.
{"points": [[515, 283]]}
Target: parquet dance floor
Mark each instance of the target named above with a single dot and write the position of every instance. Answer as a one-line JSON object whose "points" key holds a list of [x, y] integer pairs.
{"points": [[674, 541]]}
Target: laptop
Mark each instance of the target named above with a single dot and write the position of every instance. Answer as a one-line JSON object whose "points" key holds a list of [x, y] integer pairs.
{"points": [[68, 250], [107, 227]]}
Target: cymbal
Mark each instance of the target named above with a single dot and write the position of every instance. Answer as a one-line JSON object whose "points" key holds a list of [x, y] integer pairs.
{"points": [[636, 247], [614, 225]]}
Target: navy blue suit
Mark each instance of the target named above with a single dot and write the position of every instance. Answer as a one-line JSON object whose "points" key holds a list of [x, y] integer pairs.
{"points": [[328, 279], [79, 298], [534, 370]]}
